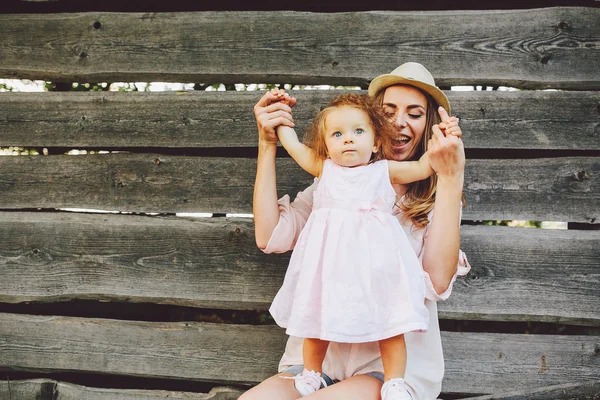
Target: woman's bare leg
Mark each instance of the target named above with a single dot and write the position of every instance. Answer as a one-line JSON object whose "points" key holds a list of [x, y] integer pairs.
{"points": [[358, 387], [393, 356], [273, 388], [313, 353]]}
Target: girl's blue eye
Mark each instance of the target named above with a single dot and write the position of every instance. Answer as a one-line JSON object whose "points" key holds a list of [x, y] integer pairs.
{"points": [[337, 134], [359, 131]]}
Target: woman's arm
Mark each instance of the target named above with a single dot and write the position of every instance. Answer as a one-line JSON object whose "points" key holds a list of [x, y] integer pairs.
{"points": [[270, 112], [409, 171], [306, 157], [442, 244]]}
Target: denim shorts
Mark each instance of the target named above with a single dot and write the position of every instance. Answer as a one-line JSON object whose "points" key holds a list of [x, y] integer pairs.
{"points": [[297, 369]]}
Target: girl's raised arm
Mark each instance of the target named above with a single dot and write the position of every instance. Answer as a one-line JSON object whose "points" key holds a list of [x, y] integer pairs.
{"points": [[306, 157], [410, 171]]}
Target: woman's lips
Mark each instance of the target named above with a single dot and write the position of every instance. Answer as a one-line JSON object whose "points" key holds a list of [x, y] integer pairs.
{"points": [[401, 143]]}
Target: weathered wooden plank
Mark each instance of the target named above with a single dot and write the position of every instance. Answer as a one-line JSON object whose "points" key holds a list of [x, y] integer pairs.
{"points": [[517, 274], [560, 189], [521, 189], [201, 263], [490, 363], [39, 389], [528, 274], [234, 5], [497, 120], [580, 391], [48, 389], [539, 48], [183, 350], [68, 391], [475, 362]]}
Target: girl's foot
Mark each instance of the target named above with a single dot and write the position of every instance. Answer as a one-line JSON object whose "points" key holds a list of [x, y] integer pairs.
{"points": [[307, 382], [395, 389]]}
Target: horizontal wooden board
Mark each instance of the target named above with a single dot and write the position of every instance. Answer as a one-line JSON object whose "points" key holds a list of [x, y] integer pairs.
{"points": [[306, 5], [539, 48], [48, 389], [39, 389], [517, 274], [524, 274], [560, 189], [491, 363], [580, 391], [475, 362], [537, 120], [36, 388]]}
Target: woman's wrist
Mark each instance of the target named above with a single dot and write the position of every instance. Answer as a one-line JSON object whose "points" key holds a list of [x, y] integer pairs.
{"points": [[451, 183], [267, 145]]}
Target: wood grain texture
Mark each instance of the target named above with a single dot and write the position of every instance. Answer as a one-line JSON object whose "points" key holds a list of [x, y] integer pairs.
{"points": [[202, 263], [517, 274], [553, 189], [475, 363], [38, 389], [68, 391], [307, 5], [539, 48], [523, 274], [48, 389], [580, 391], [537, 120], [491, 363]]}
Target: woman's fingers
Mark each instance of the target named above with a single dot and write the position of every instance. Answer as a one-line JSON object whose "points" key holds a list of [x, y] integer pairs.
{"points": [[437, 133], [276, 118], [443, 114]]}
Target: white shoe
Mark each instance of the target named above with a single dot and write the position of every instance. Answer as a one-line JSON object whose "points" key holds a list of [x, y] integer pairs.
{"points": [[307, 382], [395, 389]]}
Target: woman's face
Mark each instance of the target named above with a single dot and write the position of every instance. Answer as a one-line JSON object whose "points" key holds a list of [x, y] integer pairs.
{"points": [[406, 107]]}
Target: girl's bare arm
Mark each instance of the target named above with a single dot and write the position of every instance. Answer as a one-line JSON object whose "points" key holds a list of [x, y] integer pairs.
{"points": [[409, 171], [306, 157]]}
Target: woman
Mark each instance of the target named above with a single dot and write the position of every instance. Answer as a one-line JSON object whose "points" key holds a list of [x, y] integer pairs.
{"points": [[410, 99]]}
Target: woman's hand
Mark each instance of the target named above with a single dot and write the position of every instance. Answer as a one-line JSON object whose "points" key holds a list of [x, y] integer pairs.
{"points": [[445, 148], [272, 110]]}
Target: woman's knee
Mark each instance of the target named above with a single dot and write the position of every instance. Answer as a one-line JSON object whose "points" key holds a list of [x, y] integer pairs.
{"points": [[273, 388]]}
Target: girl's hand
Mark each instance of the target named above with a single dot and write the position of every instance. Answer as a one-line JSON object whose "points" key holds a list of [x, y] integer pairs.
{"points": [[451, 127], [272, 110], [446, 152]]}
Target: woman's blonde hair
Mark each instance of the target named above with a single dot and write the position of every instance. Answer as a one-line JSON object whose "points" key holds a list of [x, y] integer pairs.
{"points": [[419, 198], [383, 129]]}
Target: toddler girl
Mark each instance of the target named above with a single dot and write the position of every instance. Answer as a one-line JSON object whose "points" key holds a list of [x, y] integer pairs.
{"points": [[353, 276]]}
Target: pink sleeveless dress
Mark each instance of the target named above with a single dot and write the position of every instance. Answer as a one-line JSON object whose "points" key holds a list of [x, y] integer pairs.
{"points": [[353, 276]]}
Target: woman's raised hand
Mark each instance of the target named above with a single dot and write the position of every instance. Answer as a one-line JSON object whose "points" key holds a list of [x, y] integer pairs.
{"points": [[272, 110], [445, 148]]}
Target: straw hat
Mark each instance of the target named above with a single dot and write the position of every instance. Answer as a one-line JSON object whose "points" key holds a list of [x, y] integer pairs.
{"points": [[413, 74]]}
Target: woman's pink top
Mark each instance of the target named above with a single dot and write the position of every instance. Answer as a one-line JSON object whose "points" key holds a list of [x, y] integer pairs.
{"points": [[425, 360]]}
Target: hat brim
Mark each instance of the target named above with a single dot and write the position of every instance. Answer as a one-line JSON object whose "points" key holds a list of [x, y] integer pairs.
{"points": [[384, 81]]}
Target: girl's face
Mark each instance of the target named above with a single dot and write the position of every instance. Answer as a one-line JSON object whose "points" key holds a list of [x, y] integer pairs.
{"points": [[406, 107], [349, 136]]}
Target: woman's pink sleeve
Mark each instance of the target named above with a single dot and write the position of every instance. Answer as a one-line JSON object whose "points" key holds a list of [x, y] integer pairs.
{"points": [[292, 218], [462, 268]]}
